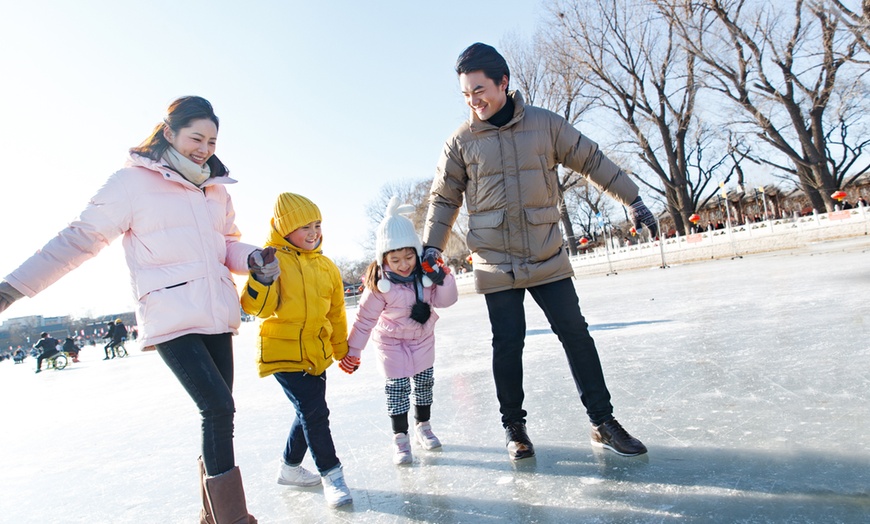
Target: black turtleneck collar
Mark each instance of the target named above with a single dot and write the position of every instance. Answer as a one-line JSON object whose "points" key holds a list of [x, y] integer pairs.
{"points": [[504, 115]]}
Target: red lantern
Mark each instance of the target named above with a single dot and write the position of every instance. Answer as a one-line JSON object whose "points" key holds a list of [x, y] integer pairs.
{"points": [[633, 231], [695, 218], [469, 259], [838, 195], [584, 241]]}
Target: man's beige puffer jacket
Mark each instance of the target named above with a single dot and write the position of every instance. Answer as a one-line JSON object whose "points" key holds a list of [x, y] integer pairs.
{"points": [[509, 180]]}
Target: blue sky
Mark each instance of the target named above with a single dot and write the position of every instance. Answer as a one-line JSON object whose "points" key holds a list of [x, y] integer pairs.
{"points": [[328, 99]]}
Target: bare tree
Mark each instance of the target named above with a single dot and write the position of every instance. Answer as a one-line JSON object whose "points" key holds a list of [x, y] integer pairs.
{"points": [[784, 70], [547, 75], [416, 193], [847, 138], [583, 202], [855, 20], [352, 271], [640, 72]]}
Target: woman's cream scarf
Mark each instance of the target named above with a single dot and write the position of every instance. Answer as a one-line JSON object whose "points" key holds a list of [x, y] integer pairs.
{"points": [[186, 167]]}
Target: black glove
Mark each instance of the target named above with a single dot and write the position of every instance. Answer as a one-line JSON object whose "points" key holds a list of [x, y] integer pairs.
{"points": [[433, 265], [640, 216]]}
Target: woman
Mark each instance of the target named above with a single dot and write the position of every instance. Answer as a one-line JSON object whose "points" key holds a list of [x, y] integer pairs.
{"points": [[171, 205]]}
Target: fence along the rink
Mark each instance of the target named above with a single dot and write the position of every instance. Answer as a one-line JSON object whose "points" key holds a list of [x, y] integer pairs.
{"points": [[753, 237]]}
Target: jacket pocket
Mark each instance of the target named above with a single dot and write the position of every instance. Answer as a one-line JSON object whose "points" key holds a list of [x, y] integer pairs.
{"points": [[148, 279], [484, 231], [231, 298], [326, 341], [280, 342], [179, 307], [544, 236]]}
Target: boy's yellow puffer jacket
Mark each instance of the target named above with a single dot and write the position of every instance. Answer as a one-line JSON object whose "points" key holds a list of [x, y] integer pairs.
{"points": [[305, 325]]}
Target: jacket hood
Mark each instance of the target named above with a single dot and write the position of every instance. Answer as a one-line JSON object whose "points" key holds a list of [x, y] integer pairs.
{"points": [[280, 243]]}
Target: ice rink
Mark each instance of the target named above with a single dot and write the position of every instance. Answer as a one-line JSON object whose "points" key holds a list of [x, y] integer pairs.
{"points": [[747, 379]]}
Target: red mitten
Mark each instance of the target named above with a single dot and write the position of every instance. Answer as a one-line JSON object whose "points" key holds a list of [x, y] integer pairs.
{"points": [[349, 364]]}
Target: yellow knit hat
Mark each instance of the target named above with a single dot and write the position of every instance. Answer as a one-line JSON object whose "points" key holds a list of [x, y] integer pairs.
{"points": [[292, 212]]}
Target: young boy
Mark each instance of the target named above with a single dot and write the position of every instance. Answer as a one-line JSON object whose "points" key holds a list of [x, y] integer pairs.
{"points": [[301, 299]]}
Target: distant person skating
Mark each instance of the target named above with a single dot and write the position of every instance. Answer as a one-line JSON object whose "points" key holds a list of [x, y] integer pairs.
{"points": [[502, 164], [171, 205], [396, 311], [47, 347], [70, 346], [303, 331], [110, 336], [119, 335]]}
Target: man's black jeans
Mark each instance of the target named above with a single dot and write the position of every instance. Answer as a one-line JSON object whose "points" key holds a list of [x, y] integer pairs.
{"points": [[204, 366], [559, 302]]}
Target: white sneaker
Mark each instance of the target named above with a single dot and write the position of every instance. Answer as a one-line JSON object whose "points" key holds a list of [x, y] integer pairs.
{"points": [[402, 449], [296, 476], [335, 490], [427, 439]]}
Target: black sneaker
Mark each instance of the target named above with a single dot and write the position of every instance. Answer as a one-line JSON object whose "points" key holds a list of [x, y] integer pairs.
{"points": [[518, 444], [611, 435]]}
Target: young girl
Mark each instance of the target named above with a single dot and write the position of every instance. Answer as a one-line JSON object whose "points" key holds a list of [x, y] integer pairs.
{"points": [[305, 329], [396, 308]]}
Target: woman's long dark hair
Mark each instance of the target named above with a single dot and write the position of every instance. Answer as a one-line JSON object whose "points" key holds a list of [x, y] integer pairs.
{"points": [[179, 115]]}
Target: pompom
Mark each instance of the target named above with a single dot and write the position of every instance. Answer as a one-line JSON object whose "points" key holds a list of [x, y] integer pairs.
{"points": [[421, 312], [384, 285]]}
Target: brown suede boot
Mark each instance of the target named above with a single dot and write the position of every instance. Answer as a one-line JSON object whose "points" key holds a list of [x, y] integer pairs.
{"points": [[205, 513], [226, 499]]}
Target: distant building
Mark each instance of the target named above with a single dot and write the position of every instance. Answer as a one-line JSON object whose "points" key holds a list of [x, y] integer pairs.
{"points": [[25, 331]]}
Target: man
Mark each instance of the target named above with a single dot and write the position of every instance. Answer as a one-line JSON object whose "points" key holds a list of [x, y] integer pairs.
{"points": [[70, 346], [48, 348], [119, 335], [504, 161], [110, 336]]}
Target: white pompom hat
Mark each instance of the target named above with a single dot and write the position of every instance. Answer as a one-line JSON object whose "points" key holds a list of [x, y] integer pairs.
{"points": [[396, 232]]}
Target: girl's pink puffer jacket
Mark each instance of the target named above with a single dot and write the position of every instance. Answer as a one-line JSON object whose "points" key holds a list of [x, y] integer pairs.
{"points": [[404, 346]]}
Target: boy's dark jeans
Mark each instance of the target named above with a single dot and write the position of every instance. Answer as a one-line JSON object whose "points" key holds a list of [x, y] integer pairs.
{"points": [[559, 302], [310, 427], [204, 366]]}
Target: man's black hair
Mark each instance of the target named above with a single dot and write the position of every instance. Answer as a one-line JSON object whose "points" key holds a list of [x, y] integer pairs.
{"points": [[482, 57]]}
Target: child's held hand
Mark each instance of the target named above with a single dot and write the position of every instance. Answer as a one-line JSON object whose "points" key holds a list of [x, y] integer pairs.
{"points": [[349, 364]]}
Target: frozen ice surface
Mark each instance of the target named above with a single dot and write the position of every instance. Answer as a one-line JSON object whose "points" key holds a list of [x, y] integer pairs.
{"points": [[747, 379]]}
